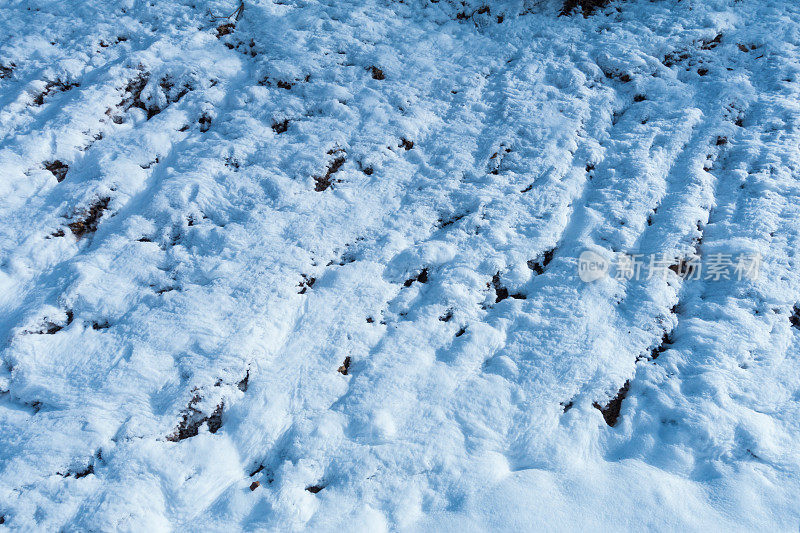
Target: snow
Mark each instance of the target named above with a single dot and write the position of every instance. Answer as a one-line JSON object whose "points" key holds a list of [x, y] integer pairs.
{"points": [[410, 185]]}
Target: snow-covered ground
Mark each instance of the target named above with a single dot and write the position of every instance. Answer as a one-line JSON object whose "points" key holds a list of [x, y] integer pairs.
{"points": [[317, 268]]}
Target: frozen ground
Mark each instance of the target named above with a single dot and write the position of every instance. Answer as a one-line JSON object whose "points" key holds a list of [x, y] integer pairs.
{"points": [[332, 249]]}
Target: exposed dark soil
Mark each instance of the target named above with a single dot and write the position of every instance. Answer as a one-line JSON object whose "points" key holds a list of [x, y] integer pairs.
{"points": [[245, 382], [322, 183], [662, 347], [422, 277], [89, 218], [539, 265], [306, 284], [588, 6], [794, 319], [193, 419], [225, 29], [612, 409], [281, 127], [57, 86], [58, 169], [501, 293], [377, 74], [50, 328]]}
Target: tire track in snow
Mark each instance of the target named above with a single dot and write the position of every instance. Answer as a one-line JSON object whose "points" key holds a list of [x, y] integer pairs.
{"points": [[753, 191], [595, 211]]}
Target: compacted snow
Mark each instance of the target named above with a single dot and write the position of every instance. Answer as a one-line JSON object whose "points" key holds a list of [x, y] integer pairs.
{"points": [[317, 267]]}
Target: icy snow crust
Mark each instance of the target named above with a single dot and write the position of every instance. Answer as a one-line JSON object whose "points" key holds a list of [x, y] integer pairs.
{"points": [[243, 208]]}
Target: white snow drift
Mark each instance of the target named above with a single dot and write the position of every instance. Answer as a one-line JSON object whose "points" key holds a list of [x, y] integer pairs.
{"points": [[331, 248]]}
